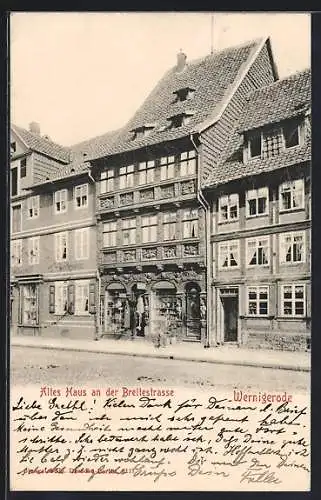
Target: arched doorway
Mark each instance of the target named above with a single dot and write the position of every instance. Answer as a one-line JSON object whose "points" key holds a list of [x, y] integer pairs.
{"points": [[193, 311], [166, 308], [117, 313]]}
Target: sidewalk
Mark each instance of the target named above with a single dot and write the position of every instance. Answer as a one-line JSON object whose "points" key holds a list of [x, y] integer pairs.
{"points": [[298, 361]]}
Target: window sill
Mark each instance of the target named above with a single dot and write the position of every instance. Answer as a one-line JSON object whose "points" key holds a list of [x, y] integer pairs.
{"points": [[257, 216], [293, 318], [81, 208], [291, 210], [230, 268], [60, 213], [257, 316], [28, 325], [228, 221], [292, 263]]}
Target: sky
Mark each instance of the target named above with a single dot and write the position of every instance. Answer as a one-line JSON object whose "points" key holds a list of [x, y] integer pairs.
{"points": [[80, 75]]}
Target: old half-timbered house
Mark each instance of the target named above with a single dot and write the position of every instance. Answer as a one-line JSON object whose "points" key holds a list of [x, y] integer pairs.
{"points": [[152, 219], [260, 198], [53, 240]]}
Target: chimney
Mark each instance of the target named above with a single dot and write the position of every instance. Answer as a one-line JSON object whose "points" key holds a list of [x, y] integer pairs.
{"points": [[34, 127], [181, 61]]}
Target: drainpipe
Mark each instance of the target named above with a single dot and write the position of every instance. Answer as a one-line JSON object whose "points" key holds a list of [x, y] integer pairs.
{"points": [[97, 313], [205, 205]]}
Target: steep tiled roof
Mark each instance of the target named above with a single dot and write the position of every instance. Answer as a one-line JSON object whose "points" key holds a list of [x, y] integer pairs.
{"points": [[285, 99], [65, 171], [42, 145], [282, 99], [212, 77], [95, 147]]}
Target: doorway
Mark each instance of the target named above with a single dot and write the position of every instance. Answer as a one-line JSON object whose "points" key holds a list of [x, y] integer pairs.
{"points": [[193, 312], [230, 308]]}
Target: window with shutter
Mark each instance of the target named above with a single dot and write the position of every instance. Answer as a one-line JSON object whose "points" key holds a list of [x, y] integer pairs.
{"points": [[71, 298]]}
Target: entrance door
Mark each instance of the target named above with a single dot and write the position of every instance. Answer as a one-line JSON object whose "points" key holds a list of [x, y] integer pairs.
{"points": [[193, 313], [230, 305]]}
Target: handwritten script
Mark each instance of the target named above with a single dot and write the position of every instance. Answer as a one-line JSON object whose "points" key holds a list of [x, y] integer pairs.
{"points": [[144, 439]]}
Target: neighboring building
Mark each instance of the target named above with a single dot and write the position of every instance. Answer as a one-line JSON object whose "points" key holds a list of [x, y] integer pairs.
{"points": [[53, 239], [152, 218], [260, 196]]}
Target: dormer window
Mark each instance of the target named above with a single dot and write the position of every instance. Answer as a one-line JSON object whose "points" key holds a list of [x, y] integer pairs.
{"points": [[291, 135], [184, 94], [13, 147], [180, 119], [255, 145], [142, 131]]}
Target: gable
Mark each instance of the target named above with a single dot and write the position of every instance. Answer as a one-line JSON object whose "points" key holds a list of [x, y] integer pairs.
{"points": [[20, 146]]}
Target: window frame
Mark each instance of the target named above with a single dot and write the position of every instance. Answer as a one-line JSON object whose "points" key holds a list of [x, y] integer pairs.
{"points": [[257, 197], [132, 229], [23, 299], [126, 172], [292, 189], [188, 220], [107, 179], [33, 207], [257, 240], [80, 284], [111, 232], [79, 187], [150, 228], [167, 164], [251, 137], [146, 169], [60, 192], [186, 159], [17, 205], [282, 249], [81, 255], [228, 244], [23, 168], [58, 247], [61, 286], [168, 224], [31, 243], [297, 127], [293, 300], [258, 289], [16, 247], [229, 205]]}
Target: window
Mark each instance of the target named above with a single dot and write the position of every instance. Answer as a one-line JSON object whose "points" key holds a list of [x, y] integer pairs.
{"points": [[82, 243], [29, 304], [149, 228], [129, 231], [258, 251], [107, 181], [16, 253], [61, 297], [291, 135], [81, 196], [61, 246], [167, 167], [292, 247], [81, 297], [188, 163], [229, 254], [109, 234], [60, 201], [291, 195], [257, 300], [33, 207], [293, 300], [229, 207], [16, 219], [14, 181], [126, 177], [33, 250], [190, 223], [177, 121], [146, 171], [257, 202], [184, 94], [169, 226], [272, 142], [23, 168], [255, 145], [13, 147]]}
